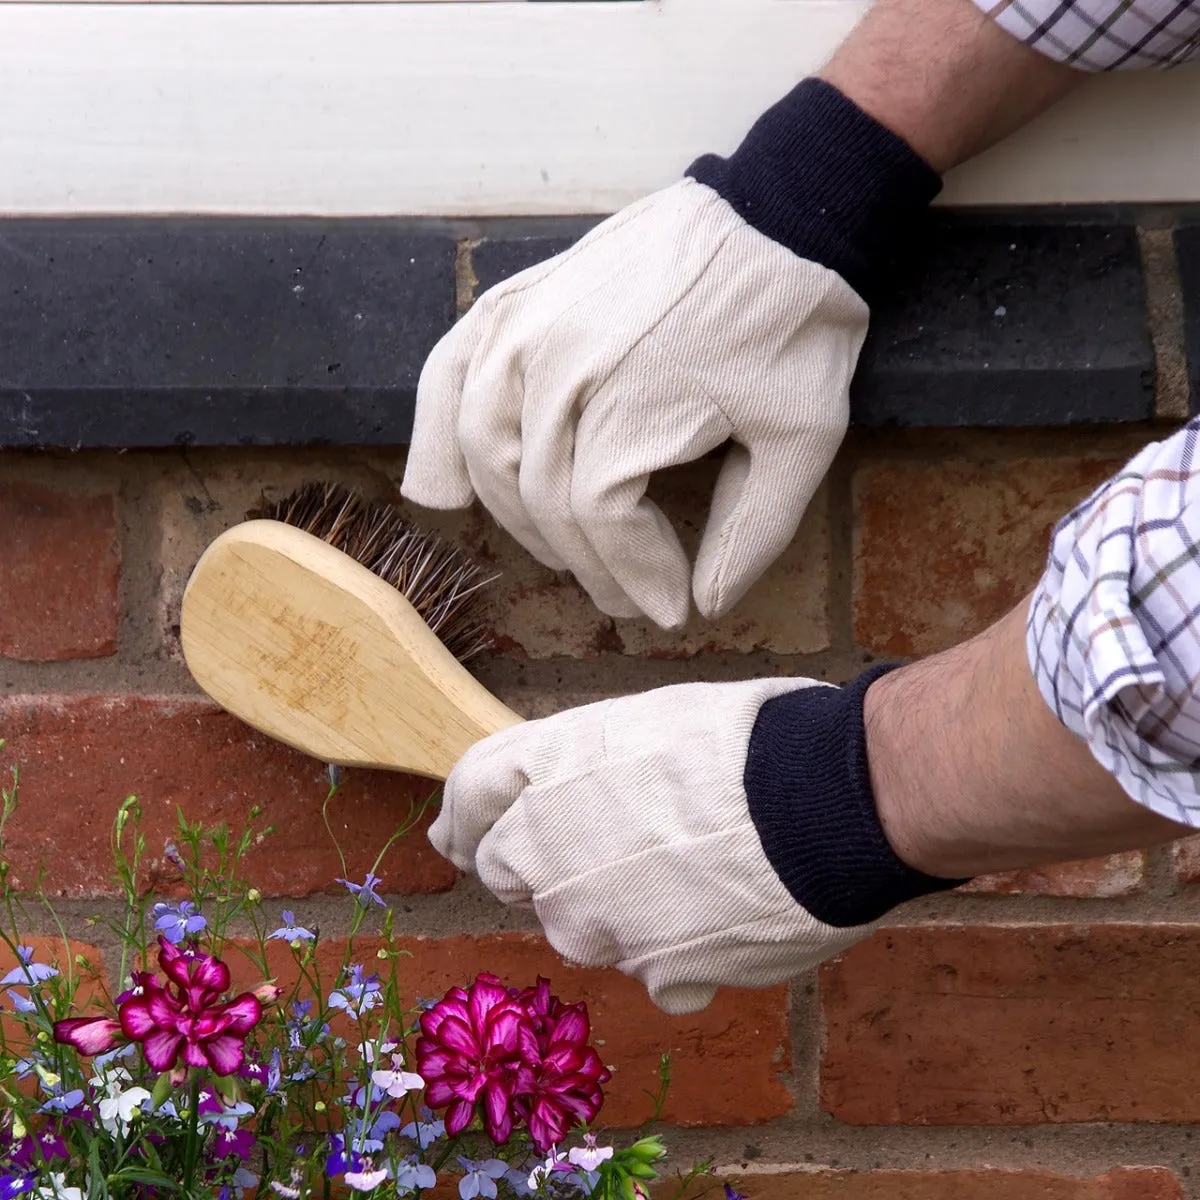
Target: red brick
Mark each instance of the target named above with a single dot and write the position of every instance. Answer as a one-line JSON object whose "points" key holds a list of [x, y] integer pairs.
{"points": [[1121, 1183], [727, 1062], [944, 549], [1013, 1025], [59, 573], [1117, 875], [80, 756]]}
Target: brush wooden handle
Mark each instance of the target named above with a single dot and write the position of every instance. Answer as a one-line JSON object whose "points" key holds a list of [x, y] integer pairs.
{"points": [[307, 645]]}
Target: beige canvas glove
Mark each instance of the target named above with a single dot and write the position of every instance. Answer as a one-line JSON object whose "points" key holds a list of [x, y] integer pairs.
{"points": [[626, 824], [672, 328]]}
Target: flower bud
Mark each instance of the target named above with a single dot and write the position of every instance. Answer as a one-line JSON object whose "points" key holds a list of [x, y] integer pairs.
{"points": [[18, 1127], [162, 1089], [381, 953], [296, 944], [268, 993], [320, 1106], [43, 1036], [254, 895], [82, 962]]}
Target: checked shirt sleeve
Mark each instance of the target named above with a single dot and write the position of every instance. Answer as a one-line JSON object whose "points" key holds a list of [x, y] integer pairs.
{"points": [[1103, 35], [1114, 626]]}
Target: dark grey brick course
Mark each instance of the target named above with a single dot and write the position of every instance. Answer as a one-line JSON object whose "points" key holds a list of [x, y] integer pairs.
{"points": [[136, 332]]}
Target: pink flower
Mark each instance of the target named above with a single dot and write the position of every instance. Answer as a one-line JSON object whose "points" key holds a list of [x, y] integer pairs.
{"points": [[475, 1046], [89, 1035], [187, 1018], [564, 1088], [524, 1054]]}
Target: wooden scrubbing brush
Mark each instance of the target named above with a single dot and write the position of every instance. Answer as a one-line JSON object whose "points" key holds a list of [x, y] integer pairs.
{"points": [[335, 626]]}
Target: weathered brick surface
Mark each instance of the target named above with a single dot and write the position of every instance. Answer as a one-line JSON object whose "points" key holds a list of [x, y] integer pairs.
{"points": [[1116, 875], [943, 549], [983, 1183], [728, 1062], [1013, 1025], [1185, 856], [535, 613], [80, 756], [59, 573]]}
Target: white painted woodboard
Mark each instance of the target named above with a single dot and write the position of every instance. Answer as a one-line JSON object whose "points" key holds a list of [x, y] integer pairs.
{"points": [[452, 109]]}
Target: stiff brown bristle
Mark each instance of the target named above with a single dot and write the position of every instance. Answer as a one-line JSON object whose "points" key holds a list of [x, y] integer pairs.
{"points": [[440, 581]]}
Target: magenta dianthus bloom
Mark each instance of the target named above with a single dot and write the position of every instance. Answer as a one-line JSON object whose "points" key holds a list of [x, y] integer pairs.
{"points": [[185, 1019], [475, 1045], [525, 1055], [565, 1090]]}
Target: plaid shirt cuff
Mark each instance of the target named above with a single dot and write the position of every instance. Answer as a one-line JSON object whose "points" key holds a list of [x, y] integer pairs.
{"points": [[1103, 35], [1114, 626]]}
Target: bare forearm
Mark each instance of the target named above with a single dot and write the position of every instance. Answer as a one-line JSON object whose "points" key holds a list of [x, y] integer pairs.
{"points": [[972, 773], [944, 77]]}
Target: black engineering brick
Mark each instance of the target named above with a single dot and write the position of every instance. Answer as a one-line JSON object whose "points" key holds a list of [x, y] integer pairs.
{"points": [[134, 332], [1003, 325]]}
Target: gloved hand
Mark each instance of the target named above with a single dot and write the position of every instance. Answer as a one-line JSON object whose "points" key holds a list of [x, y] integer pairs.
{"points": [[692, 836], [726, 308]]}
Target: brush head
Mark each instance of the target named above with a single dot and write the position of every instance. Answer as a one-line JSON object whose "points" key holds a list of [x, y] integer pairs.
{"points": [[442, 583]]}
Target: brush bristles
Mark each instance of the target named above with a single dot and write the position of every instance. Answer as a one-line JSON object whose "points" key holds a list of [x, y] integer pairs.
{"points": [[436, 578]]}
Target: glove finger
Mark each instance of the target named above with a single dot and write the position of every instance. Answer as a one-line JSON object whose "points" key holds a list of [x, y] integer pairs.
{"points": [[498, 869], [436, 471], [759, 499], [484, 785], [551, 444], [650, 417], [492, 438], [680, 999]]}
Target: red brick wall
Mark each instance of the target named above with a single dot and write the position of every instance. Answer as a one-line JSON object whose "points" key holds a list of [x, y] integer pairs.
{"points": [[1031, 1036]]}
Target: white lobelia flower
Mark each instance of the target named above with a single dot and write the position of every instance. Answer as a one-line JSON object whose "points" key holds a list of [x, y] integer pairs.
{"points": [[367, 1050], [118, 1107], [58, 1189], [589, 1156], [397, 1082]]}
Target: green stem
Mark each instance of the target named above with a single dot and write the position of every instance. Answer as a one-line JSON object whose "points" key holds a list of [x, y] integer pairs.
{"points": [[193, 1147]]}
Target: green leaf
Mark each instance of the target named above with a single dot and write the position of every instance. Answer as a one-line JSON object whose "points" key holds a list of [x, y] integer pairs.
{"points": [[146, 1176]]}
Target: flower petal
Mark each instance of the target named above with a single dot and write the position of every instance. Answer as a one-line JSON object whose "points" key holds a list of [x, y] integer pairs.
{"points": [[244, 1012], [162, 1049], [209, 972], [458, 1116], [225, 1054], [89, 1035], [136, 1020], [458, 1036], [497, 1116]]}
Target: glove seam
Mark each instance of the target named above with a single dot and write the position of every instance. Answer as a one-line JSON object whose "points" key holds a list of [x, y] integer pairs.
{"points": [[692, 284], [594, 236]]}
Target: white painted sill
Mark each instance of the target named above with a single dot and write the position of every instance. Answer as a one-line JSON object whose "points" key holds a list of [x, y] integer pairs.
{"points": [[465, 109]]}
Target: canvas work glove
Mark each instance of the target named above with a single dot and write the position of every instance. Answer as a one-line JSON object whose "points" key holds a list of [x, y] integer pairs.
{"points": [[692, 836], [728, 308]]}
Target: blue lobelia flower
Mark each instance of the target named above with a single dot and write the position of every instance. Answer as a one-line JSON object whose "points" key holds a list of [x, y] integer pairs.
{"points": [[178, 921], [27, 971], [289, 931], [412, 1176], [480, 1177], [365, 892]]}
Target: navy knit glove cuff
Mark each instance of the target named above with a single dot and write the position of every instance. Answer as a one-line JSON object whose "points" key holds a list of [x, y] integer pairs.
{"points": [[822, 178], [810, 797]]}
